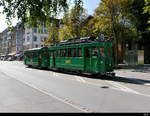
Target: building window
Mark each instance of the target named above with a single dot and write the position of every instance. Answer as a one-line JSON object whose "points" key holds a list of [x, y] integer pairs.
{"points": [[34, 38], [45, 31], [35, 30], [28, 39], [42, 39], [36, 46]]}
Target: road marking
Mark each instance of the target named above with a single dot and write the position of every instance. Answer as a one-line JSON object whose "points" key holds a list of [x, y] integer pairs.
{"points": [[55, 74], [119, 86], [126, 89], [64, 100], [123, 88], [80, 79], [147, 84]]}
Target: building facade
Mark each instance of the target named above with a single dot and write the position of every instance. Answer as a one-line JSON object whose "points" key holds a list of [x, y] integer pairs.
{"points": [[1, 52], [11, 40], [4, 42], [35, 37], [19, 36]]}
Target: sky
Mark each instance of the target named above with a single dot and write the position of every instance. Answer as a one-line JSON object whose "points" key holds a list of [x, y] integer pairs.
{"points": [[90, 5]]}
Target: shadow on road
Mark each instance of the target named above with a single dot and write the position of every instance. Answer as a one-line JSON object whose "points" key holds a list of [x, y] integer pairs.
{"points": [[130, 80], [126, 80], [137, 68]]}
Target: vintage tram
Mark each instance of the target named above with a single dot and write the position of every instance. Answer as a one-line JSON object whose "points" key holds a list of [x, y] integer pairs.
{"points": [[83, 55]]}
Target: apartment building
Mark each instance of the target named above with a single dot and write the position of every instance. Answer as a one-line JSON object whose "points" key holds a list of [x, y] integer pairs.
{"points": [[11, 40], [19, 36], [1, 52], [35, 36], [4, 42]]}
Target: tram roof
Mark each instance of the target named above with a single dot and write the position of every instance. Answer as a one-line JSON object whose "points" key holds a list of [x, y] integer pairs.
{"points": [[35, 49], [81, 45]]}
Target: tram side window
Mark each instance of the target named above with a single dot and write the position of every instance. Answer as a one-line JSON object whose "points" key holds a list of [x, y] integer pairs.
{"points": [[109, 52], [46, 55], [102, 52], [69, 52], [30, 55], [49, 54], [65, 52], [35, 55], [87, 53], [79, 52], [74, 52], [62, 53], [26, 55], [94, 52], [57, 53]]}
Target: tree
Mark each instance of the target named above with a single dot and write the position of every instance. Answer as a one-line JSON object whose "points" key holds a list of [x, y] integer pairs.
{"points": [[140, 19], [140, 9], [35, 10], [114, 21], [73, 23], [147, 8], [53, 32]]}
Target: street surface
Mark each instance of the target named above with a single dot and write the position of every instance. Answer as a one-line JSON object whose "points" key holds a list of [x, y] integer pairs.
{"points": [[24, 89]]}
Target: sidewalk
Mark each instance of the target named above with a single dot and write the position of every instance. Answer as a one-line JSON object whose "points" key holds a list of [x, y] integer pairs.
{"points": [[139, 73]]}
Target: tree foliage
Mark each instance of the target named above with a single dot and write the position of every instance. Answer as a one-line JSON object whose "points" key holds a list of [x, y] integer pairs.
{"points": [[147, 6], [147, 9], [114, 18], [34, 10], [53, 32], [73, 21], [140, 19]]}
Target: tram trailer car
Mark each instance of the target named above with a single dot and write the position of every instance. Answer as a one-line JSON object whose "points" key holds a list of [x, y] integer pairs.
{"points": [[94, 58], [37, 57]]}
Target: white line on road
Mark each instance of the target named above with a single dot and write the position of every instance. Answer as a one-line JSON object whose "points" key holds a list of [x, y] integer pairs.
{"points": [[55, 74], [126, 89], [123, 88], [117, 86], [69, 102], [147, 84], [80, 79]]}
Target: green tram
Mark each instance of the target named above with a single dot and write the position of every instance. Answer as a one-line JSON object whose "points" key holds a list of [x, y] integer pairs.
{"points": [[94, 57]]}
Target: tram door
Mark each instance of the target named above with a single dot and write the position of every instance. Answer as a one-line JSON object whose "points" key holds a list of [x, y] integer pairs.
{"points": [[91, 59]]}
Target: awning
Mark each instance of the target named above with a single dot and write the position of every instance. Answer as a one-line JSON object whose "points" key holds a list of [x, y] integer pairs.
{"points": [[18, 55], [11, 54], [2, 55]]}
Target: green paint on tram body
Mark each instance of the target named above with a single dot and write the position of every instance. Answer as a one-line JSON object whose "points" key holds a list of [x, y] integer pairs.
{"points": [[96, 57]]}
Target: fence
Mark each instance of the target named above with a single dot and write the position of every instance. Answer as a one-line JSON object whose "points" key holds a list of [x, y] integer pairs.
{"points": [[131, 57]]}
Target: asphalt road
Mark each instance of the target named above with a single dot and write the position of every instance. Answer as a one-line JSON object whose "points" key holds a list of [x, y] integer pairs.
{"points": [[25, 89]]}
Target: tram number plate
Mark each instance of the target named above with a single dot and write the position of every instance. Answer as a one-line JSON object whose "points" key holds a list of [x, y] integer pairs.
{"points": [[68, 61]]}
